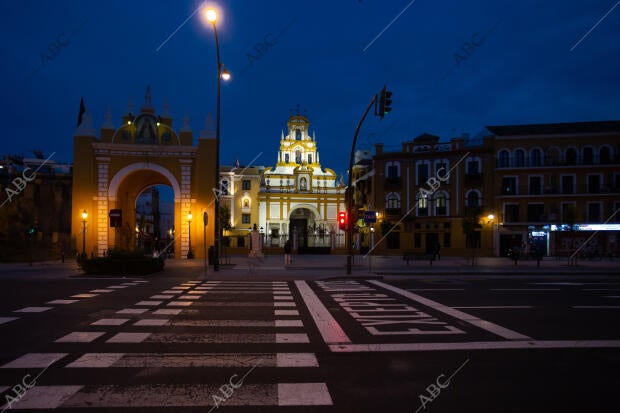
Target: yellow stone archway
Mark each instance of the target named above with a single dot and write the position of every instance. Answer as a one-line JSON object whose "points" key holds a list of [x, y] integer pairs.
{"points": [[112, 169]]}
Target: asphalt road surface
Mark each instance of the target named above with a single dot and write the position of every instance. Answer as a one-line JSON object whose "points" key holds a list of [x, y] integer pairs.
{"points": [[186, 344]]}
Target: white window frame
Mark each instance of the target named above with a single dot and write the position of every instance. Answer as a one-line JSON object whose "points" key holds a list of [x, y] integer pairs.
{"points": [[562, 184], [542, 184]]}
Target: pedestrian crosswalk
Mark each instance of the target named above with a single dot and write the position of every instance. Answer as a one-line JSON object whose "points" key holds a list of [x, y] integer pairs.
{"points": [[214, 326]]}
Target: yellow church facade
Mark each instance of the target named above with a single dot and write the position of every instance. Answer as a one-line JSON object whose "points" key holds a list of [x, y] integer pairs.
{"points": [[298, 199]]}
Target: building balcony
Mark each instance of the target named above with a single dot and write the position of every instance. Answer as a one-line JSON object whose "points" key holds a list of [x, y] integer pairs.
{"points": [[393, 212]]}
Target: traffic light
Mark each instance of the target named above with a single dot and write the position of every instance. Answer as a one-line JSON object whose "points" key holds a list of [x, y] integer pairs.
{"points": [[342, 220], [385, 102]]}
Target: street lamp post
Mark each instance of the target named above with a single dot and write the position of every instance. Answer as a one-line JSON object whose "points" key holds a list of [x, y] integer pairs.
{"points": [[205, 221], [222, 73], [84, 216], [189, 235]]}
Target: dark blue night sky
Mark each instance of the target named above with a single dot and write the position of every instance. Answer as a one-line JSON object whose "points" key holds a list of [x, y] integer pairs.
{"points": [[454, 67]]}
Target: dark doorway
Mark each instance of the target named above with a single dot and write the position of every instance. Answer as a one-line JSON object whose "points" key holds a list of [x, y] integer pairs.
{"points": [[432, 239], [299, 228], [507, 241]]}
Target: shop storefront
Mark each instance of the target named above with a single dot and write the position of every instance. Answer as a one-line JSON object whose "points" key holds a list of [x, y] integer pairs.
{"points": [[587, 240]]}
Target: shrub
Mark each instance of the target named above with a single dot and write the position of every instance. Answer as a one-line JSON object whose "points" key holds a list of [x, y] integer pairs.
{"points": [[119, 262]]}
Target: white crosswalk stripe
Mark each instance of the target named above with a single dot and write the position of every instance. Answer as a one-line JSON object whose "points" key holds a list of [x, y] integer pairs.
{"points": [[185, 314]]}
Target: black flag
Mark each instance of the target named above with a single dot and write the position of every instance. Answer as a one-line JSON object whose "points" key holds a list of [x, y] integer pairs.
{"points": [[82, 110]]}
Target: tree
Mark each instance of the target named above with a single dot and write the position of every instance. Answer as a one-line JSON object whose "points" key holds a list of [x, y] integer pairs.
{"points": [[471, 228], [225, 217]]}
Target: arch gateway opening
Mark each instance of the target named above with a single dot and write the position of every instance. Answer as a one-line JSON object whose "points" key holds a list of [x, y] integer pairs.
{"points": [[115, 168]]}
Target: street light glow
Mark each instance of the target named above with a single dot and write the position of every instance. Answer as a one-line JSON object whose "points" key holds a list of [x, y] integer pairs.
{"points": [[211, 15], [189, 216], [84, 215], [491, 217], [225, 73]]}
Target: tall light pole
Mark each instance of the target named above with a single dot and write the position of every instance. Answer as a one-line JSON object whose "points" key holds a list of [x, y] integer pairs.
{"points": [[84, 216], [189, 235], [222, 73]]}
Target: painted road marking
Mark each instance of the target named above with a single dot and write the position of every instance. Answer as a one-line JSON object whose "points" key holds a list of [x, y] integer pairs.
{"points": [[303, 394], [374, 311], [233, 304], [168, 311], [46, 397], [292, 338], [236, 338], [62, 301], [175, 395], [32, 309], [525, 289], [151, 322], [7, 319], [96, 360], [237, 323], [328, 326], [435, 289], [483, 324], [189, 297], [162, 296], [110, 322], [180, 303], [476, 345], [101, 291], [128, 338], [183, 360], [80, 337], [34, 360], [283, 297], [286, 312], [601, 289], [289, 323], [149, 303], [172, 292], [117, 287], [84, 295], [226, 292], [498, 307], [601, 307], [132, 311], [284, 304]]}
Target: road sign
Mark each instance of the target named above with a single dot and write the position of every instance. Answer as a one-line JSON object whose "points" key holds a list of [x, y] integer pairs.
{"points": [[116, 218], [370, 216]]}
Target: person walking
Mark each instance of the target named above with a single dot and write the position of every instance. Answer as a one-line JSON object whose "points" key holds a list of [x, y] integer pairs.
{"points": [[287, 252]]}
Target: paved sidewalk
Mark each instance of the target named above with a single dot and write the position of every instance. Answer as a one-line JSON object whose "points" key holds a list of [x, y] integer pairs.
{"points": [[329, 266]]}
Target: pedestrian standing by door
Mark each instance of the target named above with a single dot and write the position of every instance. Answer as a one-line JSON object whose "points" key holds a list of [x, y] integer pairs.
{"points": [[287, 252]]}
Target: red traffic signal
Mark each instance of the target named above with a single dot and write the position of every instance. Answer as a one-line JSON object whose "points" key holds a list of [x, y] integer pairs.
{"points": [[342, 220]]}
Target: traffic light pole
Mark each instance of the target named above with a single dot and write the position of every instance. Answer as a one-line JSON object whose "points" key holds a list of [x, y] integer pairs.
{"points": [[349, 191]]}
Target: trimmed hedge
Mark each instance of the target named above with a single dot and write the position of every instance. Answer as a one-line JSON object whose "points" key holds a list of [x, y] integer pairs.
{"points": [[122, 263]]}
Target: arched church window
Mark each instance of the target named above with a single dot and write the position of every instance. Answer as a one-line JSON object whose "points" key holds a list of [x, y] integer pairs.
{"points": [[309, 158], [286, 158], [297, 156], [297, 135], [246, 203]]}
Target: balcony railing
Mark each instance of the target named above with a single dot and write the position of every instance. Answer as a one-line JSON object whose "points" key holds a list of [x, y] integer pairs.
{"points": [[393, 212]]}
